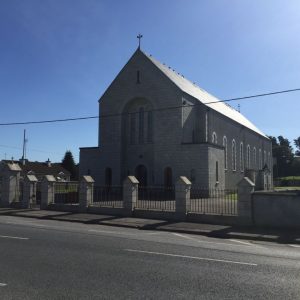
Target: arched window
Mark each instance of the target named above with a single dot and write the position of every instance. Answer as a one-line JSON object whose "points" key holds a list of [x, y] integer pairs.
{"points": [[259, 159], [248, 157], [214, 138], [225, 151], [132, 128], [168, 177], [242, 157], [141, 125], [141, 175], [150, 127], [254, 158], [193, 176], [233, 153], [108, 177]]}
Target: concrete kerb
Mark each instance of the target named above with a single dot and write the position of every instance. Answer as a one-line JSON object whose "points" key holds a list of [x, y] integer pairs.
{"points": [[220, 231]]}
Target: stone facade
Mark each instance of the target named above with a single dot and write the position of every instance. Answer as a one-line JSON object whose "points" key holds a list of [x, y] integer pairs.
{"points": [[151, 128]]}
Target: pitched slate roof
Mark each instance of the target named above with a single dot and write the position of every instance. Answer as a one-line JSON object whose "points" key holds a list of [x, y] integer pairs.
{"points": [[39, 168], [204, 97]]}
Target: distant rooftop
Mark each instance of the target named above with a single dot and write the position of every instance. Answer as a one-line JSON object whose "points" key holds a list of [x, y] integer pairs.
{"points": [[38, 168]]}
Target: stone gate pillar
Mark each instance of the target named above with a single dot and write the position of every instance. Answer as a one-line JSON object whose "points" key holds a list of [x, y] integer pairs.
{"points": [[244, 205], [29, 191], [10, 184], [182, 197], [130, 194], [86, 192], [47, 191]]}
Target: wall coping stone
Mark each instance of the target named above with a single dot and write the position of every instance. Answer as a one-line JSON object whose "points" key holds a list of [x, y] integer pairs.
{"points": [[87, 179], [183, 180], [31, 178], [49, 178], [131, 179], [246, 182]]}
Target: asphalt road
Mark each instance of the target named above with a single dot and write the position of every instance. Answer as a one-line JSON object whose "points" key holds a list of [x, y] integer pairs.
{"points": [[42, 259]]}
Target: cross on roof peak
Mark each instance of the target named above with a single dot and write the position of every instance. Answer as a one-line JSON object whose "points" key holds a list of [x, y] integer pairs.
{"points": [[139, 37]]}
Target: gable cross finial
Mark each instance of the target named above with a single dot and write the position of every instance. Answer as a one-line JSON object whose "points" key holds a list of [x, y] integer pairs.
{"points": [[139, 37]]}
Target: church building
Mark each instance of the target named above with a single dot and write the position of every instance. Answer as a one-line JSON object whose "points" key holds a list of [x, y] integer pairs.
{"points": [[157, 125]]}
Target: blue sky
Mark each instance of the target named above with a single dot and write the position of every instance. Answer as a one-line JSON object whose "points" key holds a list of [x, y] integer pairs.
{"points": [[57, 57]]}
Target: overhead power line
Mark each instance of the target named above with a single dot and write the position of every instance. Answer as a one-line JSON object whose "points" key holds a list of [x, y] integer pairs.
{"points": [[48, 121], [262, 95], [159, 109]]}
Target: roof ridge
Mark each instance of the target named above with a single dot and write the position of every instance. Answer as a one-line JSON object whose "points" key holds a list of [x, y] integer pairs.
{"points": [[203, 96]]}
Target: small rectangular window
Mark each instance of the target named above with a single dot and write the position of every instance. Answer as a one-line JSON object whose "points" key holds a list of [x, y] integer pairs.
{"points": [[217, 171]]}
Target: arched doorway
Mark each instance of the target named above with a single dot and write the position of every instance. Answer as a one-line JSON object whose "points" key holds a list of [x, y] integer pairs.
{"points": [[168, 177], [108, 176], [141, 174]]}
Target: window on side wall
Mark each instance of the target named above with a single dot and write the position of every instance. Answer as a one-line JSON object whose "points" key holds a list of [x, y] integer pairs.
{"points": [[248, 157], [214, 138], [242, 157], [259, 159], [225, 151], [254, 158], [233, 153]]}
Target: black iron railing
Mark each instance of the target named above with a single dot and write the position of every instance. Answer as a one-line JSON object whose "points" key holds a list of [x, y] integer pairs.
{"points": [[108, 196], [156, 198], [213, 201], [66, 192]]}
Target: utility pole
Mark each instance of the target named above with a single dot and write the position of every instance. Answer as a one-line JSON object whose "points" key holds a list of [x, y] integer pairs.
{"points": [[24, 147]]}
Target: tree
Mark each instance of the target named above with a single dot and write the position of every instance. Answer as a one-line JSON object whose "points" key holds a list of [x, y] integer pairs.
{"points": [[283, 153], [297, 144], [69, 164]]}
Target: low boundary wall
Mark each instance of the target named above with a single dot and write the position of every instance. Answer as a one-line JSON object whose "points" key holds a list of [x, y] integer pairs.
{"points": [[276, 209]]}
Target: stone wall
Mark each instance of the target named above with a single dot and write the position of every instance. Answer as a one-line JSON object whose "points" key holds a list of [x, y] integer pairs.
{"points": [[276, 209]]}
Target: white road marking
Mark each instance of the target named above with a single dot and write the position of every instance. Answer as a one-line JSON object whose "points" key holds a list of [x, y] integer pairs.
{"points": [[112, 232], [293, 245], [206, 242], [192, 257], [3, 284], [242, 242], [13, 237], [120, 233], [26, 223]]}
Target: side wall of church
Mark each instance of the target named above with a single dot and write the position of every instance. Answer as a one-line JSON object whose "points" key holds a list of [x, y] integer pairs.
{"points": [[255, 152]]}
